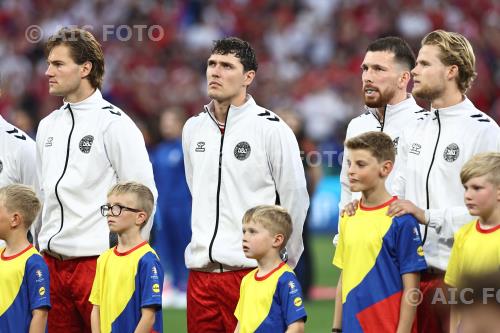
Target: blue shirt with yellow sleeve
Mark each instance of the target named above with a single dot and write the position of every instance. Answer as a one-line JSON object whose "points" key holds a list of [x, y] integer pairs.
{"points": [[269, 304], [126, 282], [374, 251], [24, 287]]}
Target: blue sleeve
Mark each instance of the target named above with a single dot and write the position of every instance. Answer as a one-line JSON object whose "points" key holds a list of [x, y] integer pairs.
{"points": [[38, 282], [151, 280], [291, 300], [408, 244]]}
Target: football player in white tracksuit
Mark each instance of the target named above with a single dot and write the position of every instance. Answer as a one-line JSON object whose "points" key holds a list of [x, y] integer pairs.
{"points": [[83, 149], [237, 155], [389, 108], [433, 154]]}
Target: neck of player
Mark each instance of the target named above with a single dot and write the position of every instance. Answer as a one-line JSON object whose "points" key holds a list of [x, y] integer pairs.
{"points": [[490, 219], [221, 108], [84, 91], [375, 196], [128, 240], [15, 243], [267, 263], [449, 98]]}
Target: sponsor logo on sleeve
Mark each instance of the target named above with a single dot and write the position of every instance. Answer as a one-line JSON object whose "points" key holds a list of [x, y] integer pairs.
{"points": [[297, 301]]}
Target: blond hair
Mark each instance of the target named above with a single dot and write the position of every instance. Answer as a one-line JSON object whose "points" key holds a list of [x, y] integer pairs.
{"points": [[273, 218], [485, 164], [379, 144], [144, 196], [455, 50], [21, 199]]}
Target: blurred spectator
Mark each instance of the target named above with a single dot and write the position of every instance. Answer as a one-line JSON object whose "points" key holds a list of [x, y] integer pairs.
{"points": [[313, 172], [172, 227]]}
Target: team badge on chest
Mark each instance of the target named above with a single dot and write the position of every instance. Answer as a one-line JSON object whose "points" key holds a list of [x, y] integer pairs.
{"points": [[86, 144], [451, 152], [242, 150]]}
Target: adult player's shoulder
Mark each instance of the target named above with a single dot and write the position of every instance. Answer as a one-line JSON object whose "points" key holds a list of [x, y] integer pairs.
{"points": [[197, 120], [267, 117], [419, 114], [14, 135]]}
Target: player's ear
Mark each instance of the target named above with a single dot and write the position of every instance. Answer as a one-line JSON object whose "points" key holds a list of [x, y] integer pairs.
{"points": [[85, 69], [249, 76], [278, 240], [142, 217], [386, 168], [16, 220]]}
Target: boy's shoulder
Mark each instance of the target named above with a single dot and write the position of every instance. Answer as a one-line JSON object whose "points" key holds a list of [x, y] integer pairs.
{"points": [[468, 227], [405, 221]]}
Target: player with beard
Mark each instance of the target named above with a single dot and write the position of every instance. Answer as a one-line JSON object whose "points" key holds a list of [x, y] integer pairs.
{"points": [[433, 155], [389, 108]]}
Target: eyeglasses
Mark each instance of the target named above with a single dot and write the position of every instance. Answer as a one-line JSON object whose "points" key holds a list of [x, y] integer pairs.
{"points": [[116, 210]]}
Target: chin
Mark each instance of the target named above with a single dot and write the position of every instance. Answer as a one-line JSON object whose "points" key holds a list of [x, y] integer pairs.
{"points": [[375, 103]]}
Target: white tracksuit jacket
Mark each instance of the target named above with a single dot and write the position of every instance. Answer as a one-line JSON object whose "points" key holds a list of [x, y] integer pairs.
{"points": [[17, 157], [255, 161], [433, 154], [397, 117], [83, 149]]}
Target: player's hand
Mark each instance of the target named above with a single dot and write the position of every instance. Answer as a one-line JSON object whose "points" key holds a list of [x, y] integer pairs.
{"points": [[401, 207], [350, 208]]}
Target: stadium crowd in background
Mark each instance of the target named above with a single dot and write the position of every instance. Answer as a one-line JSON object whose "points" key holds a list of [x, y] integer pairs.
{"points": [[310, 52]]}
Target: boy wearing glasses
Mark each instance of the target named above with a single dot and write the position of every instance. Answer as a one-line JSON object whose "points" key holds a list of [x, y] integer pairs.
{"points": [[126, 294]]}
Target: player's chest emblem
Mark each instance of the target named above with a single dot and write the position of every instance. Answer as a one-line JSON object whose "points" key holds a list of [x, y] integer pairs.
{"points": [[451, 152], [242, 150], [86, 144], [1, 166]]}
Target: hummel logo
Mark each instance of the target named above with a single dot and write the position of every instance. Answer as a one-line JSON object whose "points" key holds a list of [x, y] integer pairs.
{"points": [[48, 143], [415, 149], [200, 147]]}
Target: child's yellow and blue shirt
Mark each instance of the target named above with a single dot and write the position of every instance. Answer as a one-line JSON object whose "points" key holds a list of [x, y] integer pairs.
{"points": [[475, 251], [269, 304], [124, 284], [374, 251], [24, 287]]}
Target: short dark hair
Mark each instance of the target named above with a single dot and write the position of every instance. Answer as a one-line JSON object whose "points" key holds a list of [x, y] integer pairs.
{"points": [[379, 144], [240, 49], [83, 47], [402, 51]]}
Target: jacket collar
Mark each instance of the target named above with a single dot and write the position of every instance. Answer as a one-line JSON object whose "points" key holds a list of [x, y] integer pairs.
{"points": [[233, 110], [86, 104], [394, 110], [455, 110]]}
